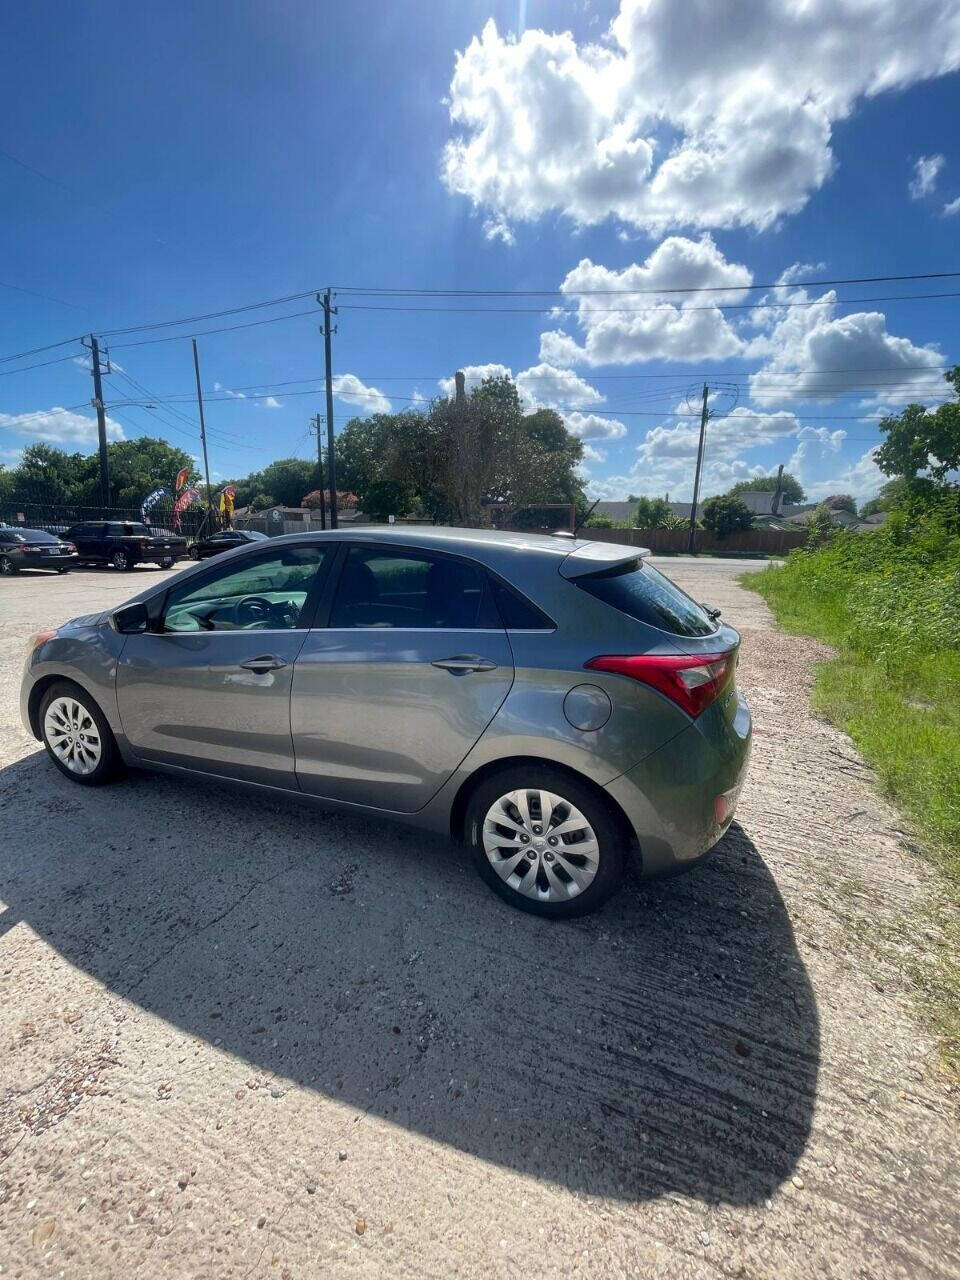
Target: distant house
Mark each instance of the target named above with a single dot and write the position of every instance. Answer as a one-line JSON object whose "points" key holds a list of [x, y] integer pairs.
{"points": [[625, 512]]}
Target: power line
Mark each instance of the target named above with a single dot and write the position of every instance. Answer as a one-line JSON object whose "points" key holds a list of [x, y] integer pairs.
{"points": [[180, 337], [639, 311], [385, 292], [6, 373], [658, 289]]}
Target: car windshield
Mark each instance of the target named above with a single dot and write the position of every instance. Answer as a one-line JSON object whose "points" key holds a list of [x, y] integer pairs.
{"points": [[638, 589]]}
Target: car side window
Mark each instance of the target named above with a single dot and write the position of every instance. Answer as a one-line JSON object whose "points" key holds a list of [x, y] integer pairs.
{"points": [[265, 594], [382, 587], [114, 530]]}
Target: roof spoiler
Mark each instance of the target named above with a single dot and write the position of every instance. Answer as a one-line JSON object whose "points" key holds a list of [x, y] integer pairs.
{"points": [[596, 557]]}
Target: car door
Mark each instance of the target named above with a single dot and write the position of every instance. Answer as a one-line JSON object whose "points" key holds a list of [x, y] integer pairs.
{"points": [[392, 693], [86, 538], [208, 687]]}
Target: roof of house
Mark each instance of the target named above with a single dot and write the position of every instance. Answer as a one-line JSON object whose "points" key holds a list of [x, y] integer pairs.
{"points": [[626, 511]]}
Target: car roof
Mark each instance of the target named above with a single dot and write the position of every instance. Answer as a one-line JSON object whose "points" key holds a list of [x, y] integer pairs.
{"points": [[473, 542]]}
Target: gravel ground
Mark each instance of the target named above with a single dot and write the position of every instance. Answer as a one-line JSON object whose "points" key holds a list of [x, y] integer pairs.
{"points": [[242, 1039]]}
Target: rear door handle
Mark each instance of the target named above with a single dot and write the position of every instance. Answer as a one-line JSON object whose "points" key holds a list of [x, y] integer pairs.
{"points": [[268, 662], [465, 662]]}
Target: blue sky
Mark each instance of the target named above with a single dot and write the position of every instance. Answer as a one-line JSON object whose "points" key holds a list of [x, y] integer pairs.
{"points": [[160, 161]]}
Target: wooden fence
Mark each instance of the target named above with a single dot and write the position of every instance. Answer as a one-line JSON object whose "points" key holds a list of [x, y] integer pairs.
{"points": [[773, 542]]}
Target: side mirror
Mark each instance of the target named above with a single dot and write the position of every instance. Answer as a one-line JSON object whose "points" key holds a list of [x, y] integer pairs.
{"points": [[131, 620]]}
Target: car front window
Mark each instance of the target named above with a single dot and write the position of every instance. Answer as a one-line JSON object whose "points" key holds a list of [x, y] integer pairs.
{"points": [[268, 594]]}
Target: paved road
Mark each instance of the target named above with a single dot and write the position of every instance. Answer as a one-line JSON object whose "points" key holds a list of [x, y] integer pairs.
{"points": [[244, 1039]]}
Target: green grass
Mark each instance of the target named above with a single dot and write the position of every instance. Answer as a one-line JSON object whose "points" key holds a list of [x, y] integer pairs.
{"points": [[904, 716], [898, 697]]}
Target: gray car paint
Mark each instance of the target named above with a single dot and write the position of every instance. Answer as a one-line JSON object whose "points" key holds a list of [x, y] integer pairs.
{"points": [[348, 738]]}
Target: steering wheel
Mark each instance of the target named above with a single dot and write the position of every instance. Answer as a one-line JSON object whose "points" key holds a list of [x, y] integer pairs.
{"points": [[251, 610]]}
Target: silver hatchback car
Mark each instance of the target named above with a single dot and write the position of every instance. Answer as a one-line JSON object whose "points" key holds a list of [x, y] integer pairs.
{"points": [[558, 703]]}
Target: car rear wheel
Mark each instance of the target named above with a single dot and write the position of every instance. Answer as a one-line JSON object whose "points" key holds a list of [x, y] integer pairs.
{"points": [[77, 737], [121, 560], [7, 567], [544, 841], [63, 571], [166, 562]]}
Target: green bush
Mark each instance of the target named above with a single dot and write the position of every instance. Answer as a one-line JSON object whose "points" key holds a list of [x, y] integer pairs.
{"points": [[889, 601]]}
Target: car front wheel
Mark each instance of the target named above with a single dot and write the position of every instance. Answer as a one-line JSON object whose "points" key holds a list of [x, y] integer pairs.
{"points": [[77, 737], [544, 841]]}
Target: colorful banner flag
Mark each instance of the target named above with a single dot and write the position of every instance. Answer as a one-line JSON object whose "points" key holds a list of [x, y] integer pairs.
{"points": [[151, 500], [182, 476], [183, 501], [226, 502]]}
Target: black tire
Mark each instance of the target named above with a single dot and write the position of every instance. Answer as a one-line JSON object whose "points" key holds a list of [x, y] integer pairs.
{"points": [[121, 559], [63, 571], [7, 567], [110, 764], [599, 816], [167, 563]]}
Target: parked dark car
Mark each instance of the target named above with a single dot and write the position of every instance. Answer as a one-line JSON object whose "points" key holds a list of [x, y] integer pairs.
{"points": [[226, 540], [34, 549], [557, 703], [124, 544]]}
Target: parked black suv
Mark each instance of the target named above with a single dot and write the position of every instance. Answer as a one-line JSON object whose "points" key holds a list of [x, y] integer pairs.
{"points": [[124, 545]]}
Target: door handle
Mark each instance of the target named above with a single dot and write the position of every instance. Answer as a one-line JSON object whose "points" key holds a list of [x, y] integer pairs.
{"points": [[463, 662], [263, 664]]}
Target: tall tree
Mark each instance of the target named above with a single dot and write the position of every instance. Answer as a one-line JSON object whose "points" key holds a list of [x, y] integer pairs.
{"points": [[918, 440]]}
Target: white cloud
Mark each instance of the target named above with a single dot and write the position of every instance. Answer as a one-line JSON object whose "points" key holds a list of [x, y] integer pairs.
{"points": [[813, 351], [348, 388], [225, 391], [59, 426], [816, 465], [623, 327], [924, 178], [544, 385], [719, 118], [953, 207], [590, 454], [591, 426], [272, 402], [473, 375]]}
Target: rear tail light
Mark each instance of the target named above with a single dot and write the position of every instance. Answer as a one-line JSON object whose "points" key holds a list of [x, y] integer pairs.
{"points": [[691, 682]]}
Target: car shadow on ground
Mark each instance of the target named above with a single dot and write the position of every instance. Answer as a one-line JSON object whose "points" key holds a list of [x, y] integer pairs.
{"points": [[667, 1044]]}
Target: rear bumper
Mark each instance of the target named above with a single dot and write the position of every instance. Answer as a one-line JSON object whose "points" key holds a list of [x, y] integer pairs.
{"points": [[681, 799], [35, 560]]}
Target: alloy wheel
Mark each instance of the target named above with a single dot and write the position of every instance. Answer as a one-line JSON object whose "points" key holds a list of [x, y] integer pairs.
{"points": [[6, 566], [541, 845], [72, 735], [120, 560]]}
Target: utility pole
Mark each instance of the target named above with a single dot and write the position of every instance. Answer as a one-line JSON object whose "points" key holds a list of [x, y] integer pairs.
{"points": [[326, 299], [777, 493], [691, 546], [203, 431], [101, 422], [323, 505]]}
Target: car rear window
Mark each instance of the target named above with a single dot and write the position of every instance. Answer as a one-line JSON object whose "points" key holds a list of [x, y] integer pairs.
{"points": [[638, 589]]}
